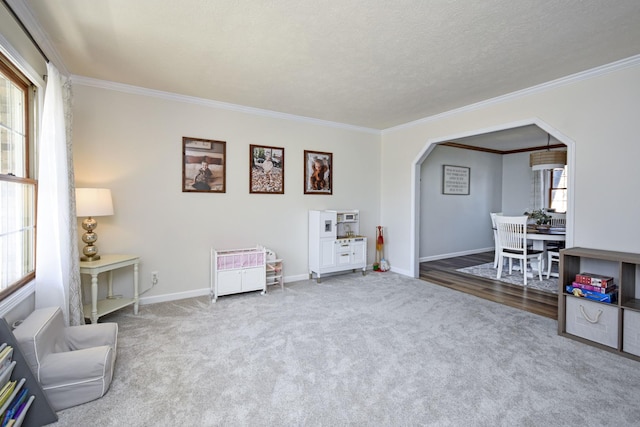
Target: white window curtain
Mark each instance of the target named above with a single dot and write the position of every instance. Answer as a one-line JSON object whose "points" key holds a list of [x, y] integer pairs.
{"points": [[57, 265], [537, 200]]}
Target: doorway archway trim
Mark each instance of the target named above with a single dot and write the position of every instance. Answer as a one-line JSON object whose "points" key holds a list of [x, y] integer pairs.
{"points": [[414, 233]]}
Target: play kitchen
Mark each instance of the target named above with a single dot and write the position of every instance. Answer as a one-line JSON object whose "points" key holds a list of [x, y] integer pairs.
{"points": [[335, 243]]}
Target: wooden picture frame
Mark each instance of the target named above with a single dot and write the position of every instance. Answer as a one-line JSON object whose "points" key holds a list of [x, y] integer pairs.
{"points": [[455, 180], [266, 169], [318, 172], [203, 165]]}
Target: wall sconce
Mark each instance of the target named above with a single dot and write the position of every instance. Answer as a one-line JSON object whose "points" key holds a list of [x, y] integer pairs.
{"points": [[92, 202], [548, 159]]}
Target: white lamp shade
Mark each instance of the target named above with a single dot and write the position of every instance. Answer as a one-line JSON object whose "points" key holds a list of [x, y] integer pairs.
{"points": [[93, 202]]}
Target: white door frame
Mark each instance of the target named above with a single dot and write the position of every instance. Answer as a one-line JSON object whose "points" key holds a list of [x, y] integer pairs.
{"points": [[432, 142]]}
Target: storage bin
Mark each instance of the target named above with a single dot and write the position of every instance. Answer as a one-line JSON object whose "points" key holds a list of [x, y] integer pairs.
{"points": [[594, 321], [631, 332]]}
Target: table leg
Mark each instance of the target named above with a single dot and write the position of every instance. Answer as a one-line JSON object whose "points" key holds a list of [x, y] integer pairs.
{"points": [[539, 245], [94, 298], [110, 288], [135, 288]]}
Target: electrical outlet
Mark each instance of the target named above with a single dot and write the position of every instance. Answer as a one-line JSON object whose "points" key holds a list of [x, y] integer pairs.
{"points": [[154, 278]]}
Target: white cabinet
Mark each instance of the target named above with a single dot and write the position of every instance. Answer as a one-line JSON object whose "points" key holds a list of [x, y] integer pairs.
{"points": [[329, 250], [359, 249], [237, 270], [327, 254], [338, 255]]}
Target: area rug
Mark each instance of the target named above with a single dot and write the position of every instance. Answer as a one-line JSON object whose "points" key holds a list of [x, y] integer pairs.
{"points": [[488, 271]]}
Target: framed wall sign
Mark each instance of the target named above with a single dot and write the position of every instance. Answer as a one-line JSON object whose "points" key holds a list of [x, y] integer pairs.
{"points": [[266, 169], [203, 165], [455, 180], [318, 172]]}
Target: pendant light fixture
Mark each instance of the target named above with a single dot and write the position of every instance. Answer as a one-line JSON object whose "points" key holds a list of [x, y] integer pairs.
{"points": [[548, 159]]}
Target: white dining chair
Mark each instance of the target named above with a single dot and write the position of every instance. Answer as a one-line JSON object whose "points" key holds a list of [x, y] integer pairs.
{"points": [[512, 238], [558, 219], [495, 238], [553, 255]]}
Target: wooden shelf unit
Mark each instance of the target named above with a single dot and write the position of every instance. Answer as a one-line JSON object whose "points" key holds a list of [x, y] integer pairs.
{"points": [[624, 268]]}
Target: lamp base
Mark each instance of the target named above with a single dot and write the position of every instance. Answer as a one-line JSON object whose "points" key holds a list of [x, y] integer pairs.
{"points": [[90, 251]]}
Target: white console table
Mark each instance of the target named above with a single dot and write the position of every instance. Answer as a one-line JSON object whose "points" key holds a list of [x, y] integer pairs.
{"points": [[108, 263]]}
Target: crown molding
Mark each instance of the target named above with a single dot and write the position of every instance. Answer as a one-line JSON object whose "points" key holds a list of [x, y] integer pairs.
{"points": [[632, 61], [137, 90]]}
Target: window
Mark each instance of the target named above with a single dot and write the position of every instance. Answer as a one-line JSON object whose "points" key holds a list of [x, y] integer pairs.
{"points": [[17, 190], [558, 189]]}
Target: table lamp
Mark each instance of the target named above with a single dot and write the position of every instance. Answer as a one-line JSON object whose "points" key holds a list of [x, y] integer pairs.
{"points": [[91, 202]]}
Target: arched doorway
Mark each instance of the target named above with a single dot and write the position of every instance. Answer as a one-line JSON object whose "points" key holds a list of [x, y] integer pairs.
{"points": [[432, 143]]}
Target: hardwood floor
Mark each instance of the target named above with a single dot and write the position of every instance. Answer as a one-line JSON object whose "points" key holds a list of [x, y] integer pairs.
{"points": [[443, 273]]}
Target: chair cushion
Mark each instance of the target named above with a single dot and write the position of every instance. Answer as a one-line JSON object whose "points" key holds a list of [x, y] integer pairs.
{"points": [[94, 335], [75, 366], [40, 334]]}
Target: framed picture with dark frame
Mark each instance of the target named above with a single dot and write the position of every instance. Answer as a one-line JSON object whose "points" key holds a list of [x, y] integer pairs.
{"points": [[455, 180], [266, 169], [318, 172], [203, 165]]}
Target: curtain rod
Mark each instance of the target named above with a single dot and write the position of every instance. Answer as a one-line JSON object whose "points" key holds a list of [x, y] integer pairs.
{"points": [[26, 31]]}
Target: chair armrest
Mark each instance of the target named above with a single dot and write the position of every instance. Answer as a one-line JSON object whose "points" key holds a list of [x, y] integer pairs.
{"points": [[73, 366], [86, 336]]}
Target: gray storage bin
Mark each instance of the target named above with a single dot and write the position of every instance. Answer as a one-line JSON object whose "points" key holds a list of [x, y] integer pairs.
{"points": [[631, 332], [591, 320]]}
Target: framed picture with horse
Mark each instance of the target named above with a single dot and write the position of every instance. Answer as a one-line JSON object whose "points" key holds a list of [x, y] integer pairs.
{"points": [[318, 172]]}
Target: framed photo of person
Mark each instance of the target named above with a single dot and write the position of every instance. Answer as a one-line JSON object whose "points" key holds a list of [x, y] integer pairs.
{"points": [[203, 165], [318, 172], [266, 169]]}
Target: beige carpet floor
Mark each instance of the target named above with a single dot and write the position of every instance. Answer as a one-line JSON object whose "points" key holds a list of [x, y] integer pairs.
{"points": [[378, 350]]}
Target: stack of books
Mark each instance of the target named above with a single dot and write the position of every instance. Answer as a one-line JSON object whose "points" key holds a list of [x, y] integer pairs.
{"points": [[14, 398], [594, 286]]}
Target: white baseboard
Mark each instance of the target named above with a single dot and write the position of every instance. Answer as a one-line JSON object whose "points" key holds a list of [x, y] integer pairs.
{"points": [[205, 291], [401, 271], [175, 296], [455, 254]]}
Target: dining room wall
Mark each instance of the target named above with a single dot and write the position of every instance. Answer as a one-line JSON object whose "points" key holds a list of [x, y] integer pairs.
{"points": [[455, 225], [516, 184]]}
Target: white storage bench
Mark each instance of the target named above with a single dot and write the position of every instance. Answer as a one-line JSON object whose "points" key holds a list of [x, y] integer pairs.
{"points": [[237, 270]]}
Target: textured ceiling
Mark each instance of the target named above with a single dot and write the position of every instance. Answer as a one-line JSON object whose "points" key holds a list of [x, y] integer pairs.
{"points": [[368, 63]]}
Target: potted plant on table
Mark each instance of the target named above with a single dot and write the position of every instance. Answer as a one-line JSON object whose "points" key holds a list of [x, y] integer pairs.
{"points": [[541, 218]]}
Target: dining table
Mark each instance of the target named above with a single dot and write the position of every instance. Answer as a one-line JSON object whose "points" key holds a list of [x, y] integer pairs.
{"points": [[541, 236]]}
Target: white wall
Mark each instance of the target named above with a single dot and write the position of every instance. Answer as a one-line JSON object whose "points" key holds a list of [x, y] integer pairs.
{"points": [[598, 113], [516, 184], [456, 224], [132, 144]]}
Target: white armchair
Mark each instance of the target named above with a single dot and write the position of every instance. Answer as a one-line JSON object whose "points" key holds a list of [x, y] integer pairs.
{"points": [[73, 364]]}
